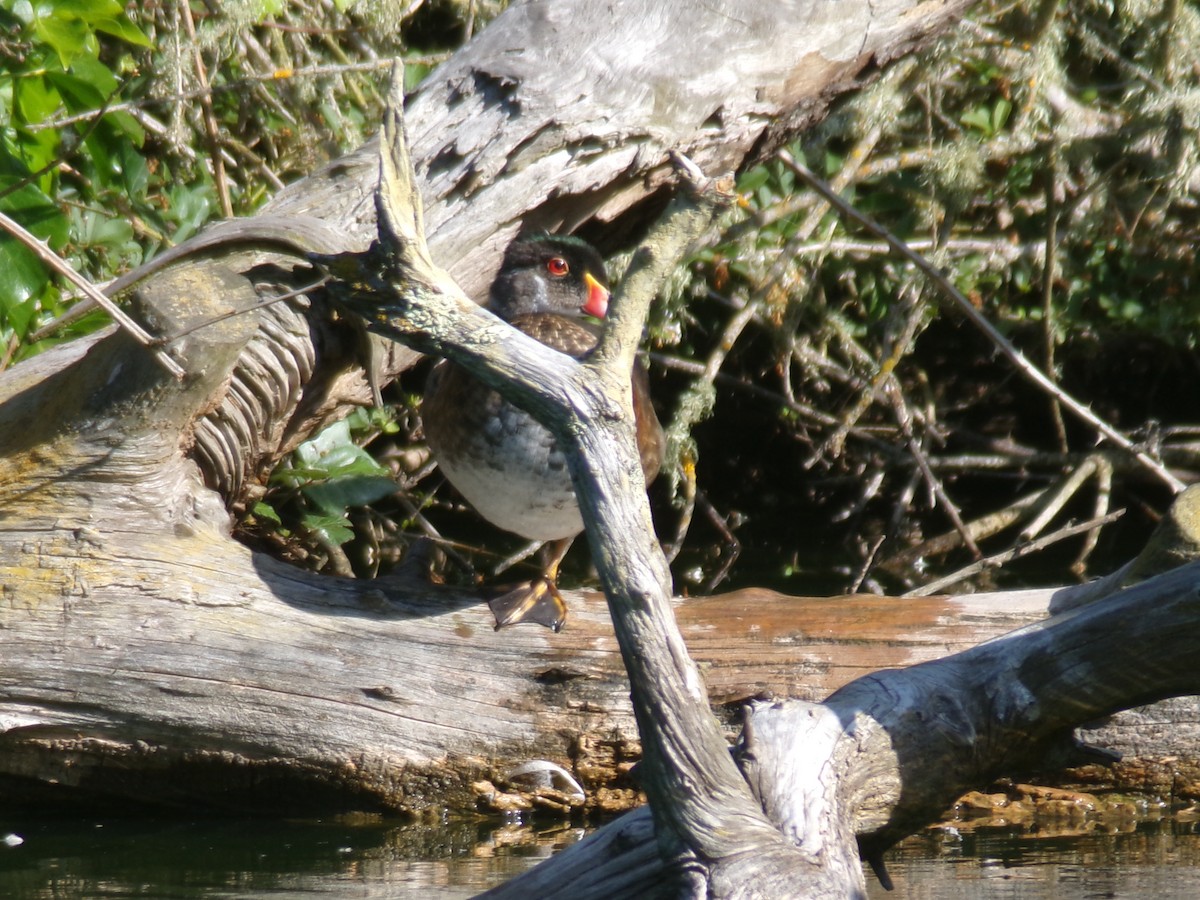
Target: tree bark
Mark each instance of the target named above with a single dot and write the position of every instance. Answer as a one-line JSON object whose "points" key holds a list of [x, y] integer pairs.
{"points": [[146, 655], [890, 751], [879, 757]]}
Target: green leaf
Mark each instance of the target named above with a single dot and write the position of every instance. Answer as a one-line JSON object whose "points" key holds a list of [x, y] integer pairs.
{"points": [[34, 210], [266, 512], [189, 207], [134, 172], [106, 165], [367, 420], [334, 452], [978, 118], [68, 36], [106, 243], [70, 27], [35, 98], [338, 494], [23, 152], [414, 74], [1000, 114], [83, 92], [753, 179], [335, 529], [125, 30], [24, 275], [24, 279]]}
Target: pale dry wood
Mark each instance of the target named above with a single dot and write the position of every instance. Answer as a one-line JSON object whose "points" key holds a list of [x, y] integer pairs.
{"points": [[145, 654], [709, 827], [96, 484], [890, 751]]}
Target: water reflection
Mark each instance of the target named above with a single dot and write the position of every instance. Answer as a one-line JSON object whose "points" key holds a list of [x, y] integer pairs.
{"points": [[89, 858], [225, 859], [1156, 859]]}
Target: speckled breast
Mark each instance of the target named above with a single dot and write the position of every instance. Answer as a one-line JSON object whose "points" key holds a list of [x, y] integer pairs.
{"points": [[499, 458]]}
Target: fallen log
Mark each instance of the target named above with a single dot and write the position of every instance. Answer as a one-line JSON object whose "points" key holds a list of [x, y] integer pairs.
{"points": [[132, 614], [145, 654]]}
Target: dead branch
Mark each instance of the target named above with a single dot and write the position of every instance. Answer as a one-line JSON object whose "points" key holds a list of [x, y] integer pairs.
{"points": [[967, 309]]}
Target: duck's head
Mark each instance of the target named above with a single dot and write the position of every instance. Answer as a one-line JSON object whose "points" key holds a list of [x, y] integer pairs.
{"points": [[550, 274]]}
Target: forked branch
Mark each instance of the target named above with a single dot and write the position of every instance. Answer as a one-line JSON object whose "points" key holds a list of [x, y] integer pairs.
{"points": [[709, 826]]}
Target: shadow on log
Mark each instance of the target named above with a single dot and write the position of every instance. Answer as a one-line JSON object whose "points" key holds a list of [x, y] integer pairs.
{"points": [[145, 655]]}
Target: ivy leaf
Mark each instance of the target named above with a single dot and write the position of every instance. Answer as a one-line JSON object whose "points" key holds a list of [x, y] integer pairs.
{"points": [[24, 277], [34, 210], [266, 512], [337, 495], [120, 27], [979, 118], [67, 35], [335, 529], [334, 453], [752, 180]]}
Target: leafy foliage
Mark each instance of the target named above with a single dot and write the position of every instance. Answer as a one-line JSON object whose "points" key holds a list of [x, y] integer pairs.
{"points": [[124, 130], [55, 68], [332, 474]]}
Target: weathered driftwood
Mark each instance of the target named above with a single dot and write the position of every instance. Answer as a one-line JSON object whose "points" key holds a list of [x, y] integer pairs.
{"points": [[107, 516], [144, 654], [881, 756], [889, 751]]}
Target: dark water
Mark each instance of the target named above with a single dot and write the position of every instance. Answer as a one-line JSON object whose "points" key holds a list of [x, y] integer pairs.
{"points": [[125, 858], [1153, 860], [111, 858]]}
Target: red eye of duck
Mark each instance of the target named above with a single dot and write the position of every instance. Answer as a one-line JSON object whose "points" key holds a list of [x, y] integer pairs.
{"points": [[557, 266]]}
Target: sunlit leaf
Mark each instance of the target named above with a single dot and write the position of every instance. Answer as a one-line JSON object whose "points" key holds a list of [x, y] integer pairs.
{"points": [[335, 529], [339, 494]]}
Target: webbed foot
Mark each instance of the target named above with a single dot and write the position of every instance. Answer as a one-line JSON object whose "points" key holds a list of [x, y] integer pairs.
{"points": [[539, 601]]}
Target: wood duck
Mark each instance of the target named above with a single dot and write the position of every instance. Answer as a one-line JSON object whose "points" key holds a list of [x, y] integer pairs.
{"points": [[500, 458]]}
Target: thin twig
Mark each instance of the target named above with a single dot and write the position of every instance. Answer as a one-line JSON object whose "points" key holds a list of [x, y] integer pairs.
{"points": [[1104, 481], [999, 247], [687, 465], [262, 304], [53, 261], [691, 367], [518, 557], [994, 562], [884, 375], [210, 117], [431, 532], [965, 306], [10, 350], [731, 542], [864, 570], [1049, 274], [904, 419], [1058, 497], [981, 528]]}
